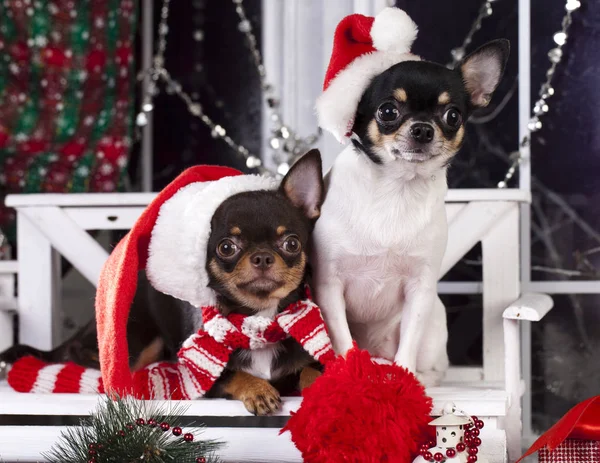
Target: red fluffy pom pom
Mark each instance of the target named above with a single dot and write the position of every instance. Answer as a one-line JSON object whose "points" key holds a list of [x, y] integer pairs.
{"points": [[361, 411]]}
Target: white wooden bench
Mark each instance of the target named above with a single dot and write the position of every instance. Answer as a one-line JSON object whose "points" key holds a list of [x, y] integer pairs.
{"points": [[51, 225]]}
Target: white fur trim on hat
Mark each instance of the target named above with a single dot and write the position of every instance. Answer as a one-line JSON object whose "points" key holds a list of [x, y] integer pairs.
{"points": [[336, 106], [393, 30], [177, 251]]}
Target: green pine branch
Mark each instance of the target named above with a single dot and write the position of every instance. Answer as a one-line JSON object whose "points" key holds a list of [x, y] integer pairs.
{"points": [[115, 433]]}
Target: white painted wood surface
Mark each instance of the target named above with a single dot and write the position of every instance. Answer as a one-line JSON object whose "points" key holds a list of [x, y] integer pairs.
{"points": [[8, 301], [143, 199], [243, 444], [500, 255], [473, 400], [512, 368], [39, 282], [529, 307], [70, 240], [255, 445], [469, 225]]}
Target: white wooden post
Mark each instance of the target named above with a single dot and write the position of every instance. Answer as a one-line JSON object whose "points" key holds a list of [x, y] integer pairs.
{"points": [[69, 239], [39, 277], [8, 306], [524, 29], [512, 366], [500, 251]]}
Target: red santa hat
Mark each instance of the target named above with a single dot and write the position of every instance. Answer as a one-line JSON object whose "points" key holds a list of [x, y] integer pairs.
{"points": [[363, 47], [169, 241]]}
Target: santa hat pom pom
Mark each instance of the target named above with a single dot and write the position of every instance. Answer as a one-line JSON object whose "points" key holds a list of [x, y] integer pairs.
{"points": [[361, 411], [393, 30]]}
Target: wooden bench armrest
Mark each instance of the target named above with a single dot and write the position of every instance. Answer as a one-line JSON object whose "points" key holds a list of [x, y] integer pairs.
{"points": [[529, 307]]}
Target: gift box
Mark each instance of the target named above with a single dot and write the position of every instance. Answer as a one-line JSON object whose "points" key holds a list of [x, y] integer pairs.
{"points": [[574, 439], [571, 451]]}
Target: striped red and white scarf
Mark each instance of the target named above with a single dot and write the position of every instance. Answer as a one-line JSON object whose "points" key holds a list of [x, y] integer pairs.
{"points": [[201, 359]]}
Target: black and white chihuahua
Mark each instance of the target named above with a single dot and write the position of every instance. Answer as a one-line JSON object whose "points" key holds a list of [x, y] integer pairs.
{"points": [[379, 243]]}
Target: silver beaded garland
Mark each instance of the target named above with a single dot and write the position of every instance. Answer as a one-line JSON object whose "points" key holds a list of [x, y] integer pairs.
{"points": [[285, 143], [485, 11], [541, 107]]}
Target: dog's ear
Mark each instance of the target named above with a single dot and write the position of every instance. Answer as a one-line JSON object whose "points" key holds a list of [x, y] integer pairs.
{"points": [[482, 70], [303, 184]]}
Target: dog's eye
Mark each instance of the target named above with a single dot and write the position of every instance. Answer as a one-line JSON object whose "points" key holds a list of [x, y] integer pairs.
{"points": [[453, 118], [388, 112], [292, 245], [227, 248]]}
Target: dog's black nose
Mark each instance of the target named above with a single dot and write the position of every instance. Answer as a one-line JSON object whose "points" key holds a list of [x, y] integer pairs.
{"points": [[422, 132], [262, 260]]}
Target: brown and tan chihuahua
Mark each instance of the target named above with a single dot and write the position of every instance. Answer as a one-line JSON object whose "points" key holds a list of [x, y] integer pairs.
{"points": [[257, 263]]}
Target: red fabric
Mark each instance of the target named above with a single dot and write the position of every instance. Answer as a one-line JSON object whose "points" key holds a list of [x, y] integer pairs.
{"points": [[581, 422], [118, 281], [572, 451], [30, 374], [352, 39], [360, 411], [23, 374], [70, 374], [201, 360]]}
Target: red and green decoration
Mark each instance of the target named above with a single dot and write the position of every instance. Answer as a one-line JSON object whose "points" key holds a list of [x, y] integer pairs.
{"points": [[66, 95], [129, 430]]}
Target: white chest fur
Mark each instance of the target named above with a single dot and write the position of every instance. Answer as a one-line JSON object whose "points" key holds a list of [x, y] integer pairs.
{"points": [[382, 232], [261, 362]]}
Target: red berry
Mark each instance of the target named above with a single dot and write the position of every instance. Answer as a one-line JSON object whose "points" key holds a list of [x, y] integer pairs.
{"points": [[474, 418], [479, 424], [200, 460], [438, 457], [428, 456], [477, 441], [471, 459], [165, 426], [468, 434], [474, 432], [450, 453], [152, 422], [461, 447], [177, 431], [424, 448], [431, 443], [92, 452], [473, 450], [140, 422], [121, 433], [92, 460], [188, 437], [130, 426], [92, 446]]}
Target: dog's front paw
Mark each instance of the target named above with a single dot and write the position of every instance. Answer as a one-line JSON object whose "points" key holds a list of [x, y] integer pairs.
{"points": [[260, 398]]}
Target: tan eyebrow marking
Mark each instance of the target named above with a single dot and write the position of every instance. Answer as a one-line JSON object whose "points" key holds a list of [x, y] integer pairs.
{"points": [[400, 95], [281, 230], [444, 98], [235, 231]]}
